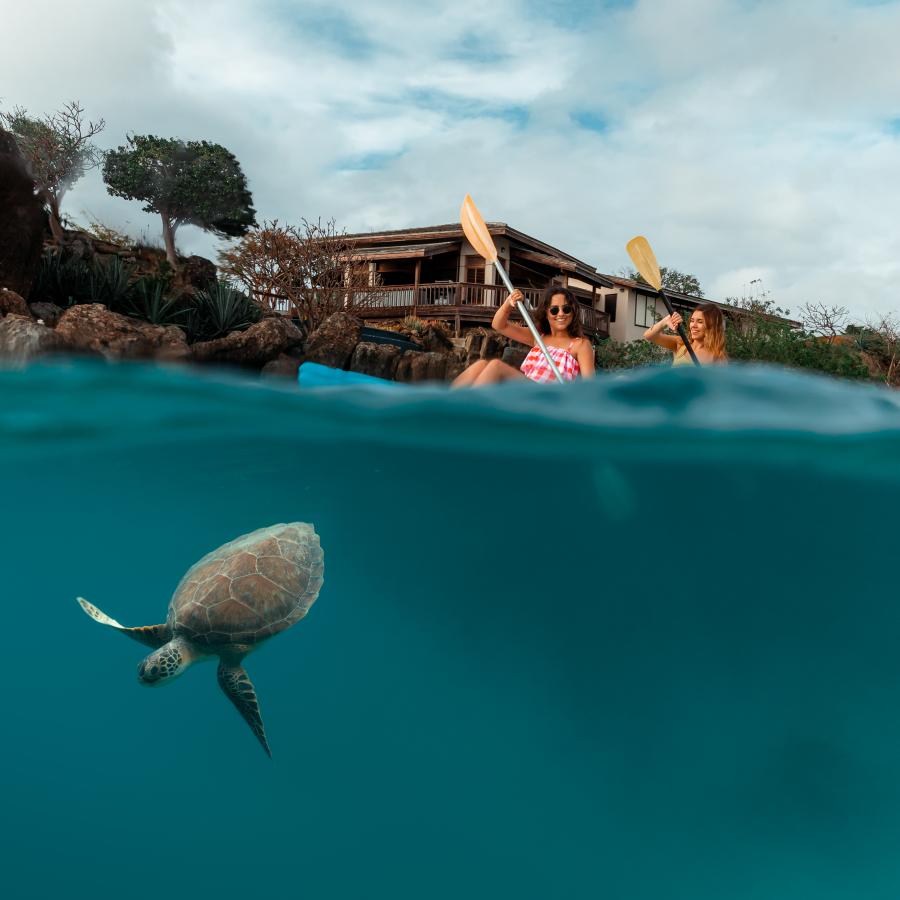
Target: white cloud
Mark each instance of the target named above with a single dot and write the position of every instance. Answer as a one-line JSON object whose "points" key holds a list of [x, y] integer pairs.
{"points": [[743, 138]]}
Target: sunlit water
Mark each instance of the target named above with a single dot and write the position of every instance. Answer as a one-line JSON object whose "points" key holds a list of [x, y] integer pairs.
{"points": [[636, 638]]}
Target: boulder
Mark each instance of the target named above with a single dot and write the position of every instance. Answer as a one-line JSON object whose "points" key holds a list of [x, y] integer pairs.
{"points": [[21, 339], [434, 339], [379, 360], [483, 343], [333, 342], [48, 313], [22, 221], [284, 366], [415, 366], [196, 272], [514, 354], [262, 342], [93, 329], [11, 302]]}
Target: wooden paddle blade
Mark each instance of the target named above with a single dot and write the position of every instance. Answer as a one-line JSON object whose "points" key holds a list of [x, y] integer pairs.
{"points": [[644, 260], [476, 231]]}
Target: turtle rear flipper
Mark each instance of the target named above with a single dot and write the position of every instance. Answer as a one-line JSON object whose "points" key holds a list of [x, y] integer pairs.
{"points": [[236, 683], [149, 635]]}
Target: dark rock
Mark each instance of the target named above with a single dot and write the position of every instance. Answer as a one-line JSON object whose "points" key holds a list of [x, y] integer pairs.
{"points": [[21, 338], [92, 328], [22, 221], [284, 367], [79, 246], [422, 366], [483, 343], [333, 342], [48, 313], [11, 302], [379, 360], [434, 340], [456, 363], [262, 342], [514, 355], [196, 272]]}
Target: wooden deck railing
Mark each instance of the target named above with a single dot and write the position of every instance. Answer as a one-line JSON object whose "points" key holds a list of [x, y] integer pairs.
{"points": [[459, 301]]}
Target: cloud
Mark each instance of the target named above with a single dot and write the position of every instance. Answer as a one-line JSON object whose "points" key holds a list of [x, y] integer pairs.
{"points": [[743, 138]]}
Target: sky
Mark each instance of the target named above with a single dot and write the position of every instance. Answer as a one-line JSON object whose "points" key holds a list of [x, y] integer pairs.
{"points": [[755, 144]]}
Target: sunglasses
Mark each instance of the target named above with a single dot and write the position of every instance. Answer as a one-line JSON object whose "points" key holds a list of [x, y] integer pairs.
{"points": [[554, 310]]}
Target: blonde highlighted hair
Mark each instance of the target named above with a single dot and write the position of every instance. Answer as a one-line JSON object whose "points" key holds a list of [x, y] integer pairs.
{"points": [[714, 339]]}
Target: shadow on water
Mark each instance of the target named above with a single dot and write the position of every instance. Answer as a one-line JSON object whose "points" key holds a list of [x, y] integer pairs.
{"points": [[534, 669]]}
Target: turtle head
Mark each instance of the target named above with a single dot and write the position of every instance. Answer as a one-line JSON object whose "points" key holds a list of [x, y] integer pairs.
{"points": [[166, 664]]}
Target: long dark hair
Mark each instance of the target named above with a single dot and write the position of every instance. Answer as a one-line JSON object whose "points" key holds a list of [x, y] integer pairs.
{"points": [[541, 317]]}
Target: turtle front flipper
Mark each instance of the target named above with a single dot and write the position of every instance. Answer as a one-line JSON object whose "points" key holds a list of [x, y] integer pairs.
{"points": [[236, 683], [149, 635]]}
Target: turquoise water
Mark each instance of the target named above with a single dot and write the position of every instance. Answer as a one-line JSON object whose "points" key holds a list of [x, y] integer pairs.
{"points": [[533, 670]]}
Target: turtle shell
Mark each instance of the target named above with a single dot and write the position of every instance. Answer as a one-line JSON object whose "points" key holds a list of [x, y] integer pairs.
{"points": [[250, 588]]}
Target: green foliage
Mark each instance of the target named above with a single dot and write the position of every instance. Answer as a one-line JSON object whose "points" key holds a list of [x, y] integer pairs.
{"points": [[110, 283], [610, 354], [63, 281], [193, 182], [755, 335], [149, 300], [672, 280], [220, 310], [57, 149]]}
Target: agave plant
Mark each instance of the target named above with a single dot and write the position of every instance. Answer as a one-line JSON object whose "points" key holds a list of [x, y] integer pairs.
{"points": [[220, 310], [110, 284], [148, 300], [62, 281]]}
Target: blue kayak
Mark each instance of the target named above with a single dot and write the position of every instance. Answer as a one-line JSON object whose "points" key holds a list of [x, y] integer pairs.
{"points": [[315, 375]]}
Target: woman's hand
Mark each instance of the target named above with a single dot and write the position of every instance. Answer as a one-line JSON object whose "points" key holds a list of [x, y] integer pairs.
{"points": [[673, 321], [515, 297]]}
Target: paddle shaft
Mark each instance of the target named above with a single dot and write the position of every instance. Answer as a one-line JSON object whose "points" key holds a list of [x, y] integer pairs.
{"points": [[681, 332], [522, 307]]}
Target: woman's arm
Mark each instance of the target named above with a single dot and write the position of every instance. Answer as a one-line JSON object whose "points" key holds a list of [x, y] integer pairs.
{"points": [[669, 341], [502, 324], [584, 353]]}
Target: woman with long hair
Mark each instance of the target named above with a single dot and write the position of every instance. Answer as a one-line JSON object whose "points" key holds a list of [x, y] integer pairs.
{"points": [[707, 330], [558, 323]]}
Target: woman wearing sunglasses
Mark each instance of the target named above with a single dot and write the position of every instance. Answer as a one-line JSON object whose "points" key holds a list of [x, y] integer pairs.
{"points": [[558, 322]]}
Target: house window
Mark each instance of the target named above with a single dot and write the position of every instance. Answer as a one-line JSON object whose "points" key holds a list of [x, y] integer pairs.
{"points": [[645, 311], [609, 304], [474, 270]]}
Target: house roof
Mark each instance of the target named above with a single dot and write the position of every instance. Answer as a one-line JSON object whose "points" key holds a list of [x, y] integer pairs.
{"points": [[691, 300], [543, 253], [406, 251]]}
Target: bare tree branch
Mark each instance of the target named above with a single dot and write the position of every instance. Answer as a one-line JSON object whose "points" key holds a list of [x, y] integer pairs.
{"points": [[828, 321]]}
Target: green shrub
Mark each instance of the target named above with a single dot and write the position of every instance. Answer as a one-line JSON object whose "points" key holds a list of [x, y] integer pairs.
{"points": [[756, 338], [110, 283], [148, 300], [220, 310], [610, 354], [63, 281]]}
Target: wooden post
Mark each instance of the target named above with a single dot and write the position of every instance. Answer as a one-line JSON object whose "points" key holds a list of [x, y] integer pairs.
{"points": [[416, 287]]}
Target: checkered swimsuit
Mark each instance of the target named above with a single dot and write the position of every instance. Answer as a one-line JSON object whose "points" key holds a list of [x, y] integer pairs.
{"points": [[538, 369]]}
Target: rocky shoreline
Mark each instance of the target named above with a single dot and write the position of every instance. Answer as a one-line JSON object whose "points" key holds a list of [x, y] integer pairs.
{"points": [[33, 326]]}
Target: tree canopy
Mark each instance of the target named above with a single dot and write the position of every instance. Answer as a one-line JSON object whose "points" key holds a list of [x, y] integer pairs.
{"points": [[57, 150], [185, 182], [672, 280]]}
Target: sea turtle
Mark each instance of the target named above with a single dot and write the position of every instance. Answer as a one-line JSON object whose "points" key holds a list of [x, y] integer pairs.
{"points": [[227, 604]]}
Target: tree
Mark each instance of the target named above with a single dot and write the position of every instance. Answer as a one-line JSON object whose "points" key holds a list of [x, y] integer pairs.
{"points": [[828, 321], [57, 150], [672, 280], [309, 270], [186, 183]]}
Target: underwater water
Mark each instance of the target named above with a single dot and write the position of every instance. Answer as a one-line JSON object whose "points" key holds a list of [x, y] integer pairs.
{"points": [[634, 638]]}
